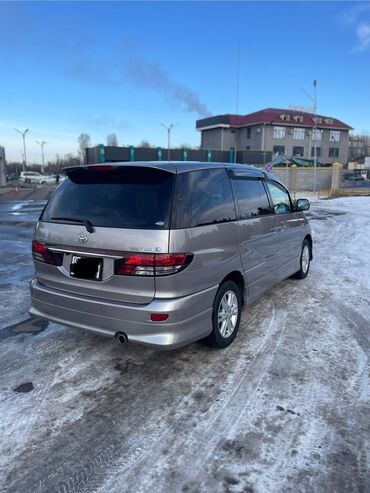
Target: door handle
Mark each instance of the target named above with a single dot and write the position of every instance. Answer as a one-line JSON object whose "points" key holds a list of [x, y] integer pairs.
{"points": [[274, 229]]}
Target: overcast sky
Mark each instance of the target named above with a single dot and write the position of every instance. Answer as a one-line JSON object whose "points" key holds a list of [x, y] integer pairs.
{"points": [[98, 68]]}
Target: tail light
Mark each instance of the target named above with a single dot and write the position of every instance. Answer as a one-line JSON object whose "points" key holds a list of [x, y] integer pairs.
{"points": [[152, 264], [41, 253]]}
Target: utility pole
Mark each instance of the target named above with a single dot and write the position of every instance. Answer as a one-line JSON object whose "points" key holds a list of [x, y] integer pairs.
{"points": [[169, 128], [24, 146], [237, 97], [41, 144], [315, 131], [314, 136]]}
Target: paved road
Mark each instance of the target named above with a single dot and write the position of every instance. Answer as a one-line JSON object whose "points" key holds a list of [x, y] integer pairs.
{"points": [[284, 409]]}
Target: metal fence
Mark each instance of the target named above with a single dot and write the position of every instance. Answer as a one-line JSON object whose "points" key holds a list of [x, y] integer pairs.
{"points": [[109, 154]]}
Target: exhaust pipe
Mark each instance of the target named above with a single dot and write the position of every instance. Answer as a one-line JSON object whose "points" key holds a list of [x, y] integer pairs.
{"points": [[121, 337]]}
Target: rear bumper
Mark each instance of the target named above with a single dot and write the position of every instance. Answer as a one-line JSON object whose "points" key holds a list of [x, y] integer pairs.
{"points": [[189, 317]]}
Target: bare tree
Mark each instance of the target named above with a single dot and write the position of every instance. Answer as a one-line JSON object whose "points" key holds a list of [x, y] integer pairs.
{"points": [[112, 140], [145, 143], [83, 142]]}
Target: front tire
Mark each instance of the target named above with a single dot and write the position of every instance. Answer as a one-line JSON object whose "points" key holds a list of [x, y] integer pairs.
{"points": [[305, 261], [225, 315]]}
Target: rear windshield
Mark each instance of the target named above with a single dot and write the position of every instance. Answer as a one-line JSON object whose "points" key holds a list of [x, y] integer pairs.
{"points": [[123, 197]]}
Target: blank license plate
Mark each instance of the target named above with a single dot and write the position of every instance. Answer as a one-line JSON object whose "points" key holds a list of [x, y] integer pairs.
{"points": [[87, 268]]}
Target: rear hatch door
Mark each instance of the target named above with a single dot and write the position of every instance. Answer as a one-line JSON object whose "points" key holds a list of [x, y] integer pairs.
{"points": [[98, 215]]}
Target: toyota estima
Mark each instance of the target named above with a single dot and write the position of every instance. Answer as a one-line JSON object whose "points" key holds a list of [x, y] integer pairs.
{"points": [[165, 254]]}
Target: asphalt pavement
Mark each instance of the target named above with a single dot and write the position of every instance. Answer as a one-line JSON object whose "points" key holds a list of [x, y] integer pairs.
{"points": [[284, 409]]}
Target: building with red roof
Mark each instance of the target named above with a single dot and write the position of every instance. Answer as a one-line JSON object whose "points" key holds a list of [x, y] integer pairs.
{"points": [[280, 131]]}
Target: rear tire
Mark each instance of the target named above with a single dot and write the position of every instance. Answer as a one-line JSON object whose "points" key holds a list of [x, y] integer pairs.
{"points": [[225, 315], [305, 261]]}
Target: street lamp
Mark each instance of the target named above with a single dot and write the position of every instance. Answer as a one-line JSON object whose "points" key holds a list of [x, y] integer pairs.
{"points": [[169, 128], [41, 144], [24, 145], [314, 100]]}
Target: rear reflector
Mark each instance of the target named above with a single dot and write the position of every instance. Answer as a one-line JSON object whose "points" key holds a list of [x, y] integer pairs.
{"points": [[41, 253], [152, 264], [158, 317]]}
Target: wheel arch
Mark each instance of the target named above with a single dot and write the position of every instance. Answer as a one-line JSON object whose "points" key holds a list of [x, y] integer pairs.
{"points": [[237, 277]]}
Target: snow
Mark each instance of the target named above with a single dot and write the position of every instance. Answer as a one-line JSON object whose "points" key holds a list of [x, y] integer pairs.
{"points": [[284, 409]]}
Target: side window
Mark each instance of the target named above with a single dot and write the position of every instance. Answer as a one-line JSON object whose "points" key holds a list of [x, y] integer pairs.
{"points": [[251, 197], [280, 198], [203, 197]]}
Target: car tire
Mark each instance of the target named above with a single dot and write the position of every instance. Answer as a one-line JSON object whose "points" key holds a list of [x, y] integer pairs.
{"points": [[43, 183], [226, 314], [305, 260]]}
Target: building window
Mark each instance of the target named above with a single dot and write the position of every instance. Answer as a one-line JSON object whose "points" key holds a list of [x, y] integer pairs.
{"points": [[333, 151], [328, 121], [317, 120], [279, 132], [278, 149], [334, 136], [298, 134], [318, 151], [298, 151], [298, 118], [249, 132], [285, 118], [317, 134]]}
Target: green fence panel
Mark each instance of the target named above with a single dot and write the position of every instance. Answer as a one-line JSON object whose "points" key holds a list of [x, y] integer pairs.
{"points": [[101, 153]]}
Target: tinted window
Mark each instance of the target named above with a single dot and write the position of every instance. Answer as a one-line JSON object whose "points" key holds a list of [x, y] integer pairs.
{"points": [[280, 198], [251, 198], [124, 197], [203, 197]]}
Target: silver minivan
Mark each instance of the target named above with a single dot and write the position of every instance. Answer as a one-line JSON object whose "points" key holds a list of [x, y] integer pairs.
{"points": [[162, 253]]}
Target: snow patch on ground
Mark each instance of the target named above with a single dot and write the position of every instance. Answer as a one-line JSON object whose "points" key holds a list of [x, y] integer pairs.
{"points": [[284, 409]]}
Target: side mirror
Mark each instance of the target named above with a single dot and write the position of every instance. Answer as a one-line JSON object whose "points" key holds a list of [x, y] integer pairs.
{"points": [[302, 205]]}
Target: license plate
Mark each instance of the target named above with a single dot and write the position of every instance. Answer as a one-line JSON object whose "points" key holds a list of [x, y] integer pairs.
{"points": [[87, 268]]}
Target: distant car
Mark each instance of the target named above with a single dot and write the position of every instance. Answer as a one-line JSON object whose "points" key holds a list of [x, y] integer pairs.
{"points": [[13, 177], [36, 177], [355, 178]]}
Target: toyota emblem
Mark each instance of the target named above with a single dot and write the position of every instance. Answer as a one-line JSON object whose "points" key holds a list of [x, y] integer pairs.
{"points": [[82, 238]]}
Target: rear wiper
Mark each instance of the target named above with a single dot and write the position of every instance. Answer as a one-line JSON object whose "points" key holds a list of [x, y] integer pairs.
{"points": [[88, 224]]}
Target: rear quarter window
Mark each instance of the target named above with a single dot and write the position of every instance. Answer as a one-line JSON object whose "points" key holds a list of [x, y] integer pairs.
{"points": [[203, 197]]}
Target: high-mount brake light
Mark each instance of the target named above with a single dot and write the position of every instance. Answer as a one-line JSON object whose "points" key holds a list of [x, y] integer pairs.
{"points": [[152, 264], [41, 253], [100, 167]]}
